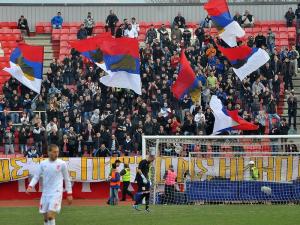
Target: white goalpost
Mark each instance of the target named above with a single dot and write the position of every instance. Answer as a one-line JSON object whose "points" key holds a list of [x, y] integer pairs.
{"points": [[224, 169]]}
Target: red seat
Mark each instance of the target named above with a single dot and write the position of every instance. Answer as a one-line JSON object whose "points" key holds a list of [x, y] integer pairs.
{"points": [[291, 29], [99, 24], [98, 30], [5, 31], [292, 36], [13, 25], [191, 24], [65, 31], [56, 31], [47, 30], [72, 37], [55, 37], [64, 37], [256, 30], [4, 24], [248, 30], [283, 36], [75, 24], [284, 43], [265, 29], [66, 25], [73, 30], [64, 51], [283, 29]]}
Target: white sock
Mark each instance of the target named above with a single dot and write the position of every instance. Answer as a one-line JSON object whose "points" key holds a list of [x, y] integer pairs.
{"points": [[51, 222]]}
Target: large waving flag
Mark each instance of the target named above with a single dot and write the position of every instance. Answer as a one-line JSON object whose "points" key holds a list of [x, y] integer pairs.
{"points": [[26, 65], [229, 29], [186, 81], [227, 120], [122, 64], [90, 48], [244, 59], [119, 58]]}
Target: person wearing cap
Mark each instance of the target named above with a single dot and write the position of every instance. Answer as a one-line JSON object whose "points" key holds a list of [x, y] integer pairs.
{"points": [[143, 182], [254, 174]]}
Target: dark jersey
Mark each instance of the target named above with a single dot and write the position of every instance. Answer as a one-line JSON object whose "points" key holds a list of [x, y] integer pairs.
{"points": [[144, 166]]}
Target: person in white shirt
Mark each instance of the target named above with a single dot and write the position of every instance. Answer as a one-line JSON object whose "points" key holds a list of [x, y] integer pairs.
{"points": [[135, 25], [131, 33], [53, 171]]}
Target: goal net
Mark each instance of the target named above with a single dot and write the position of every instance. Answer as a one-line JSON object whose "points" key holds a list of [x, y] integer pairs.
{"points": [[224, 169]]}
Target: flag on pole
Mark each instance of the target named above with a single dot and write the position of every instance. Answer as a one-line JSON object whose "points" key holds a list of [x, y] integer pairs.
{"points": [[227, 120], [26, 65], [245, 60], [186, 81], [229, 29]]}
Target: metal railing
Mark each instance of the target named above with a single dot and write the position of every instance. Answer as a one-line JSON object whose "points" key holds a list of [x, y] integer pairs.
{"points": [[33, 113]]}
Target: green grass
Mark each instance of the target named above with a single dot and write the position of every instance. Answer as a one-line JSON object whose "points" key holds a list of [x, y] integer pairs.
{"points": [[161, 215]]}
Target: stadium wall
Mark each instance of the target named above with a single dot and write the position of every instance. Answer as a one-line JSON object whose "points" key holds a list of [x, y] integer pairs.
{"points": [[155, 13], [15, 190]]}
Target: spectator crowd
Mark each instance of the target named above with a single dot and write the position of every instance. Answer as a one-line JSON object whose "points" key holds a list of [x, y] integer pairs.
{"points": [[77, 112]]}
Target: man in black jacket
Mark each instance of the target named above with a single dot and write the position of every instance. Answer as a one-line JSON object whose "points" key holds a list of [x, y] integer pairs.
{"points": [[23, 25], [200, 34], [179, 20], [292, 109], [82, 33], [111, 22], [260, 40]]}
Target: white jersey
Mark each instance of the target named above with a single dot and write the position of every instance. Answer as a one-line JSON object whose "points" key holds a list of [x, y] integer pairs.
{"points": [[53, 174]]}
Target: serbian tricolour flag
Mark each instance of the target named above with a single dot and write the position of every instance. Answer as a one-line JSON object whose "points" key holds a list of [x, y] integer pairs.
{"points": [[121, 62], [26, 65], [90, 48], [244, 59], [227, 120], [186, 82], [229, 29], [119, 58]]}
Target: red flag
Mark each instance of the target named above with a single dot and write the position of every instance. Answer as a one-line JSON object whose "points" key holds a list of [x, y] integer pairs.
{"points": [[243, 124], [90, 44], [186, 77], [121, 46], [237, 53], [216, 7]]}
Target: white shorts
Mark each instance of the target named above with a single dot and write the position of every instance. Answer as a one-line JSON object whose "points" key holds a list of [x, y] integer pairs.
{"points": [[51, 203]]}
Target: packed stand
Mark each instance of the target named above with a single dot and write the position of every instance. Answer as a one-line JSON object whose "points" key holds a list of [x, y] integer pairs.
{"points": [[86, 118]]}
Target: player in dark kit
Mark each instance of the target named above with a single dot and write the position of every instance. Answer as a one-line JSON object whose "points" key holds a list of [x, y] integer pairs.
{"points": [[143, 182]]}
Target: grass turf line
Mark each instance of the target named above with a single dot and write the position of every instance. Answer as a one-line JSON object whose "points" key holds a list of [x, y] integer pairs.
{"points": [[160, 215]]}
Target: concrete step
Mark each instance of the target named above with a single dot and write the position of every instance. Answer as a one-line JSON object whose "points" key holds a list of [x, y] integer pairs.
{"points": [[39, 42]]}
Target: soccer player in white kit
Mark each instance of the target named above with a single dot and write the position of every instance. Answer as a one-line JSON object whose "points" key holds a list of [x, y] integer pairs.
{"points": [[53, 171]]}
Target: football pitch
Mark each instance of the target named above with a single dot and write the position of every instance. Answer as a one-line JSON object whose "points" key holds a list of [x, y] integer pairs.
{"points": [[160, 215]]}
